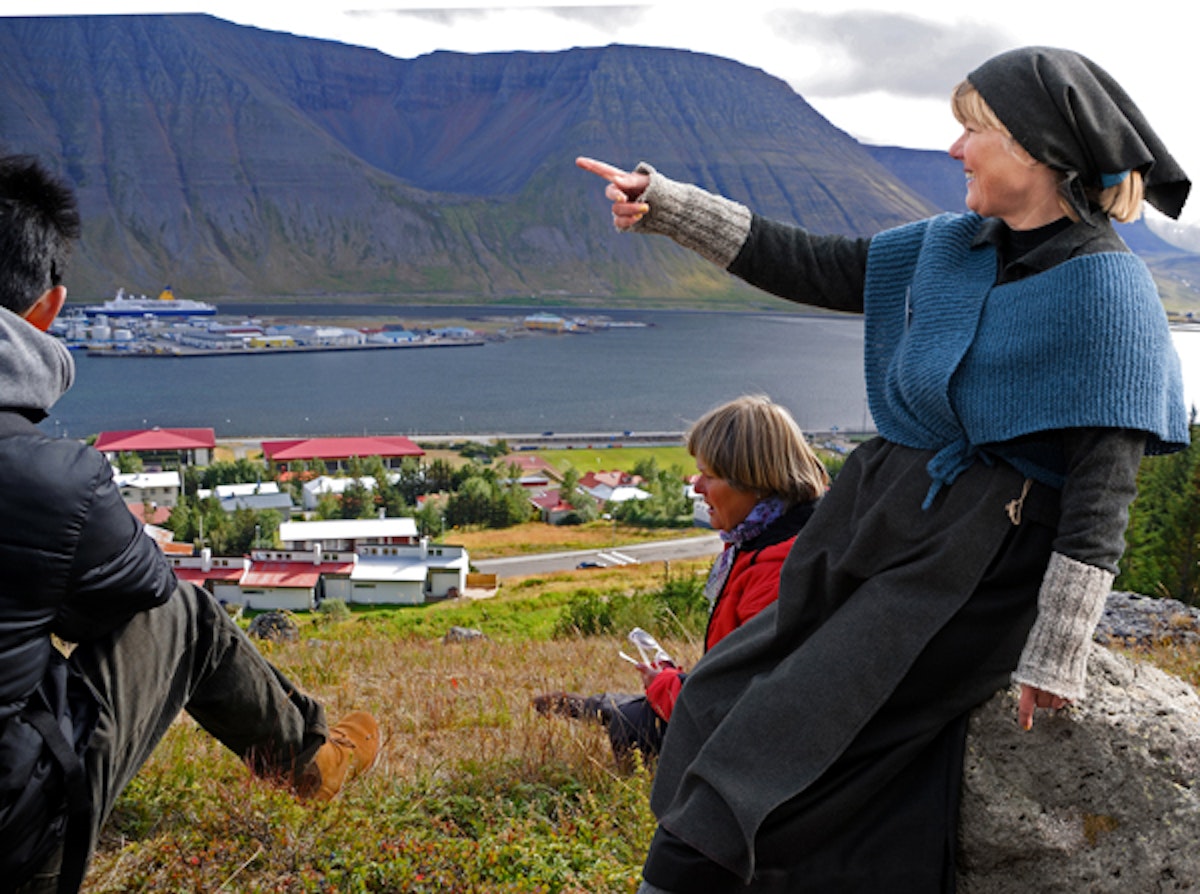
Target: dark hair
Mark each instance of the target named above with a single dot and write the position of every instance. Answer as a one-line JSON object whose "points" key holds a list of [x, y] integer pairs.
{"points": [[38, 220]]}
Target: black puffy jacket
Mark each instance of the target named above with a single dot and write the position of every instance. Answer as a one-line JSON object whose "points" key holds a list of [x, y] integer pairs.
{"points": [[73, 562]]}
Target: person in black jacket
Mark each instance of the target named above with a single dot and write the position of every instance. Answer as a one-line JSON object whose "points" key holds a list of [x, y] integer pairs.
{"points": [[100, 646]]}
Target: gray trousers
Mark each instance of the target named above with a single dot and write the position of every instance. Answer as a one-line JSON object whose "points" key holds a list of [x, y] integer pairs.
{"points": [[186, 655]]}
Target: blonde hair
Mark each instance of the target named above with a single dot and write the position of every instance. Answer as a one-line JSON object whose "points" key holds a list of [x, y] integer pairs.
{"points": [[756, 445], [1122, 202]]}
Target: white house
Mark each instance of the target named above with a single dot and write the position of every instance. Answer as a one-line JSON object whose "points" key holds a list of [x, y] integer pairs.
{"points": [[225, 491], [377, 561], [348, 533], [159, 488], [408, 575], [700, 514], [221, 576], [295, 579], [324, 484], [606, 493], [280, 502]]}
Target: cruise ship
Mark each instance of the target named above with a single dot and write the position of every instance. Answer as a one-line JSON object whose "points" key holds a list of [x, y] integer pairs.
{"points": [[165, 305]]}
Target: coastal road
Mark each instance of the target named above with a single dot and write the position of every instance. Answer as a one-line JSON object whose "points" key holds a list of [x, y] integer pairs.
{"points": [[705, 546]]}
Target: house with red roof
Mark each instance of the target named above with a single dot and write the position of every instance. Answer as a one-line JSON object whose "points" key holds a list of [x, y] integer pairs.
{"points": [[530, 464], [161, 448], [295, 579], [378, 561], [551, 506], [220, 576], [612, 486], [336, 453], [158, 515]]}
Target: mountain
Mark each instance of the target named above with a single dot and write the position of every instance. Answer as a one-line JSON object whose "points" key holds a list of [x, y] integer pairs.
{"points": [[235, 163]]}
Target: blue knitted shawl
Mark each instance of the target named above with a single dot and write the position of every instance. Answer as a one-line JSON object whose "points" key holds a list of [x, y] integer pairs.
{"points": [[955, 363]]}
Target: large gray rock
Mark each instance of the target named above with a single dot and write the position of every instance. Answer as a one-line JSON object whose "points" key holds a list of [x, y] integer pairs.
{"points": [[1102, 797]]}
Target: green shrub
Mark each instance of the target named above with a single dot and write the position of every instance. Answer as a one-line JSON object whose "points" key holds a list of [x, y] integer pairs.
{"points": [[676, 609], [587, 614], [334, 609]]}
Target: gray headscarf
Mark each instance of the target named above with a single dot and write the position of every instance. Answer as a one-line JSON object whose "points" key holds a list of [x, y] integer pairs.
{"points": [[1069, 114]]}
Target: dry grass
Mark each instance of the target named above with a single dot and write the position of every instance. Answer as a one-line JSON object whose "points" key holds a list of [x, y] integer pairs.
{"points": [[474, 792], [536, 537], [1177, 658]]}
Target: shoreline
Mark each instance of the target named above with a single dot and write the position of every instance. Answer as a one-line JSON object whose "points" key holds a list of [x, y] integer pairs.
{"points": [[838, 441], [176, 351]]}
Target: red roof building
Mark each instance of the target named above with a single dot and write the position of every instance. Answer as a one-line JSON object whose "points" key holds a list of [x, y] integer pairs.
{"points": [[282, 574], [289, 583], [336, 453], [201, 576], [613, 479], [159, 515], [163, 447]]}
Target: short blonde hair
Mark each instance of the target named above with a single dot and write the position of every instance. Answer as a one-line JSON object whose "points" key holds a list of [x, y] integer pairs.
{"points": [[756, 445], [1122, 202]]}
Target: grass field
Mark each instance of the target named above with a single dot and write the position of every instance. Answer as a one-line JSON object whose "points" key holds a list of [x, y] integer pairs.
{"points": [[537, 537], [475, 792], [624, 458]]}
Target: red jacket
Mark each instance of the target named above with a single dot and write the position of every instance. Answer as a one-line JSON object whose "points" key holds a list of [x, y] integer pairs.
{"points": [[752, 585]]}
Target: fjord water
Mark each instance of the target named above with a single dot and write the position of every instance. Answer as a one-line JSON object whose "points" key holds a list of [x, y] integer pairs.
{"points": [[658, 378]]}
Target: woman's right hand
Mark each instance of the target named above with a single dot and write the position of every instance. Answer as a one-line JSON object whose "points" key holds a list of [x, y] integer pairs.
{"points": [[652, 670], [624, 190]]}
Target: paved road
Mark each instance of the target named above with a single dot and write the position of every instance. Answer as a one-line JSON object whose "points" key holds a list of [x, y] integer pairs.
{"points": [[706, 545]]}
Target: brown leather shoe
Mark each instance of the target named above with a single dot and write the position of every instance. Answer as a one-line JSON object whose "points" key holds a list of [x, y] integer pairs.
{"points": [[564, 704], [351, 749]]}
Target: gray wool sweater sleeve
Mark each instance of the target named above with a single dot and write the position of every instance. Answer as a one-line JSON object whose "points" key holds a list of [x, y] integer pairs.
{"points": [[1101, 482], [783, 259], [1070, 602], [710, 225]]}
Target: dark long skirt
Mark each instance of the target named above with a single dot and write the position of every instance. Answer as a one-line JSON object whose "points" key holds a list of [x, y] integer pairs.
{"points": [[819, 747]]}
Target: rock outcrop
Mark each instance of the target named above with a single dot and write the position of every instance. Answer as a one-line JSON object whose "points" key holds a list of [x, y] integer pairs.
{"points": [[1101, 797]]}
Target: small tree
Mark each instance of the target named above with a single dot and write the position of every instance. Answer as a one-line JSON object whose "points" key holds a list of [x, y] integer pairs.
{"points": [[1162, 542], [585, 506], [357, 500], [129, 463]]}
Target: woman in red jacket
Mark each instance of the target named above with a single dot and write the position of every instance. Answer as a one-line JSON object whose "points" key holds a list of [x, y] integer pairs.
{"points": [[761, 482]]}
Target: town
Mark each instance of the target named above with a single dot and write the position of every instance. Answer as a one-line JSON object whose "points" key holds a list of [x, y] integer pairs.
{"points": [[302, 554]]}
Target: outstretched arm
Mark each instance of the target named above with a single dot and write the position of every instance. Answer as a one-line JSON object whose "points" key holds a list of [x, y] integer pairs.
{"points": [[779, 258]]}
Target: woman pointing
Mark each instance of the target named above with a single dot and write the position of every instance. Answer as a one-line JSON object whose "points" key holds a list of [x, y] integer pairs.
{"points": [[1018, 366]]}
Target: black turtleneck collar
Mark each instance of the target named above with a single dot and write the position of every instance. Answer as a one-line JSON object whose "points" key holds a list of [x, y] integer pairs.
{"points": [[1022, 253]]}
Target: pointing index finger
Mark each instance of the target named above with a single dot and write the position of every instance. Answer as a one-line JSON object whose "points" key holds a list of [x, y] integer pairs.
{"points": [[600, 168]]}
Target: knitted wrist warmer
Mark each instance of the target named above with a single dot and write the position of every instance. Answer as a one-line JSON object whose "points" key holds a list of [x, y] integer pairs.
{"points": [[1070, 603], [712, 226]]}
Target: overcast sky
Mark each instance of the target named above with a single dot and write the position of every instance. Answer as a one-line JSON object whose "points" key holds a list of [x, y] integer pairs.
{"points": [[881, 71]]}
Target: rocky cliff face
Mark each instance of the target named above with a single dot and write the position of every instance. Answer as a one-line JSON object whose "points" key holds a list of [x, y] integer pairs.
{"points": [[231, 161]]}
